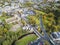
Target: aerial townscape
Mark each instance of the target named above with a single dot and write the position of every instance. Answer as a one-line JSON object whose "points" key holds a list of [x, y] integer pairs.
{"points": [[29, 22]]}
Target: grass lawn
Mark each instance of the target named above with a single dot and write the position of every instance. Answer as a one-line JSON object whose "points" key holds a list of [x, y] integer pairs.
{"points": [[26, 40]]}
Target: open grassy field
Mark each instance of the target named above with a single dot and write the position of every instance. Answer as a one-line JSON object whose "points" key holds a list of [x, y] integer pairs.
{"points": [[25, 40]]}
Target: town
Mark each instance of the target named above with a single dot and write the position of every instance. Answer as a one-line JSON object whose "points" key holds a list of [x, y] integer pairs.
{"points": [[23, 17]]}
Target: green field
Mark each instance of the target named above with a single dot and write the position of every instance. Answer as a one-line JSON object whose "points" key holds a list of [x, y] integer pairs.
{"points": [[26, 39]]}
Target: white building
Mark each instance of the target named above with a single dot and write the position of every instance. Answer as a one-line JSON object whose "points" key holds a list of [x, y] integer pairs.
{"points": [[28, 27]]}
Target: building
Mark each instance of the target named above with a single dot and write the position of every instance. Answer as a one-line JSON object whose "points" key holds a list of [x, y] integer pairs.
{"points": [[7, 9], [52, 0], [55, 36], [21, 1], [1, 23], [28, 27], [12, 19], [0, 11]]}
